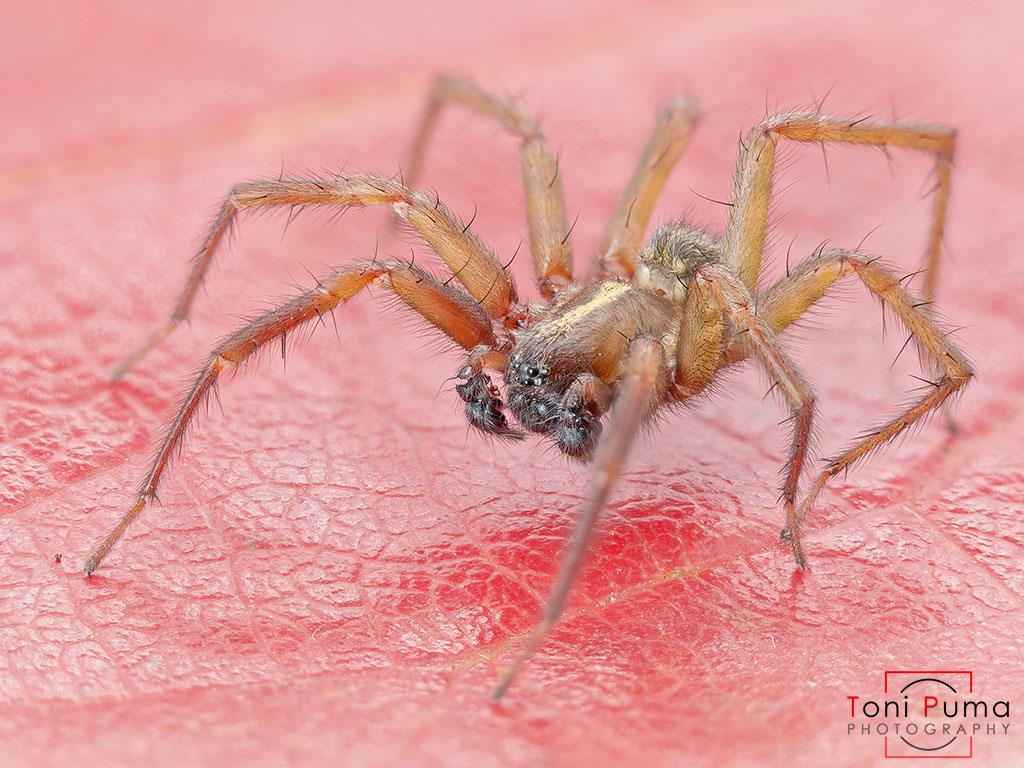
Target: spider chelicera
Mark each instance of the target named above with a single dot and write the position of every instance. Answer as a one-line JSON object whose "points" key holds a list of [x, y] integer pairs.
{"points": [[649, 331]]}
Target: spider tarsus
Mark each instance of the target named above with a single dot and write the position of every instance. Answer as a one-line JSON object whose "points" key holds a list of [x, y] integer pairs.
{"points": [[532, 643], [136, 357], [787, 538], [91, 565]]}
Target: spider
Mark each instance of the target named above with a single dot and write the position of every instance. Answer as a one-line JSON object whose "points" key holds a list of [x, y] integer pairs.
{"points": [[649, 331]]}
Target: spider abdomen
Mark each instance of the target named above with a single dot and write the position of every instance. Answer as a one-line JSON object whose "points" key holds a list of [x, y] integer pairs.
{"points": [[668, 260]]}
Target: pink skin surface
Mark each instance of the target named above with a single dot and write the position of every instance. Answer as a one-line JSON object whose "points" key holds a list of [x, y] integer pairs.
{"points": [[339, 570]]}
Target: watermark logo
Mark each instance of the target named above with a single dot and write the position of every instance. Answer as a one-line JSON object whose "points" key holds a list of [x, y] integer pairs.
{"points": [[928, 714]]}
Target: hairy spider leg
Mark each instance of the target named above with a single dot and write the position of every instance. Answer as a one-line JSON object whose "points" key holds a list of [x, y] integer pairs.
{"points": [[743, 245], [447, 308], [638, 395], [791, 296], [732, 296], [628, 224], [545, 201], [699, 348], [472, 262]]}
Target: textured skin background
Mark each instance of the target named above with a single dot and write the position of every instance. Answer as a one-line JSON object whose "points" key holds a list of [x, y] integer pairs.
{"points": [[339, 571]]}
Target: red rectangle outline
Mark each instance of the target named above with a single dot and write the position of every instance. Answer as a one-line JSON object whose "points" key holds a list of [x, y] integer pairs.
{"points": [[969, 754], [969, 673]]}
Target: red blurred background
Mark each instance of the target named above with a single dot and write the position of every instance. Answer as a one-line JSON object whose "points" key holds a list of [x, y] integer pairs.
{"points": [[339, 570]]}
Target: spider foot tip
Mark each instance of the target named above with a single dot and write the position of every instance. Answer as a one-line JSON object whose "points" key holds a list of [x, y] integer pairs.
{"points": [[92, 563]]}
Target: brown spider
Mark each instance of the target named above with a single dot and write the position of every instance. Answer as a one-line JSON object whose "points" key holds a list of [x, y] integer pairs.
{"points": [[651, 330]]}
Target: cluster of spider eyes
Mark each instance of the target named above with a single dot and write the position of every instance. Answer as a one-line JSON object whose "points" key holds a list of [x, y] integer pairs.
{"points": [[533, 375]]}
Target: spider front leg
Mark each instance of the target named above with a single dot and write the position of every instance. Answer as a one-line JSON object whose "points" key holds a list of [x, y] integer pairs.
{"points": [[743, 245], [466, 255], [729, 293], [450, 310], [638, 394], [545, 200]]}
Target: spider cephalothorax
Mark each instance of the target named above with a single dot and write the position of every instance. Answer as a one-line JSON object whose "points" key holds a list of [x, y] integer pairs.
{"points": [[651, 330], [561, 374]]}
